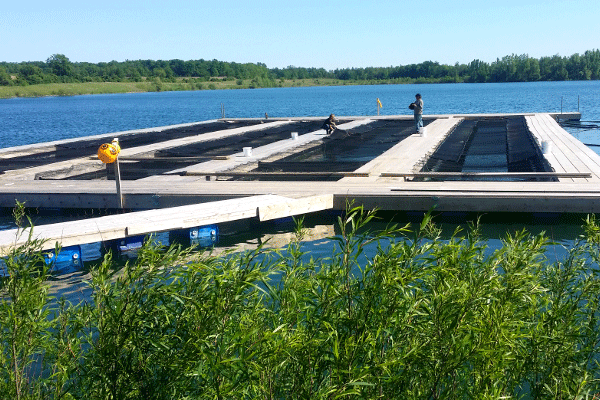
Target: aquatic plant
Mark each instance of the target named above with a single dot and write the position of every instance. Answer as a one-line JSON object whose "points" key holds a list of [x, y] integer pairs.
{"points": [[422, 318]]}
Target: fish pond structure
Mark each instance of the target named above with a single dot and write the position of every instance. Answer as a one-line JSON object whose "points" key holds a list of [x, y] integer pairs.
{"points": [[210, 172]]}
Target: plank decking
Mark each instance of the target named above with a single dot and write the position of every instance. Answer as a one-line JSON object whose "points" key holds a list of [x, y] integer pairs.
{"points": [[192, 195], [110, 227], [566, 154]]}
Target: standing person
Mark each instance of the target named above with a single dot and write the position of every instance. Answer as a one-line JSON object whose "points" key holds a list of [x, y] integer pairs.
{"points": [[417, 107]]}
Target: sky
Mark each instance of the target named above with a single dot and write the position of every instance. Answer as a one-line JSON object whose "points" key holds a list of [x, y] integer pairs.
{"points": [[301, 33]]}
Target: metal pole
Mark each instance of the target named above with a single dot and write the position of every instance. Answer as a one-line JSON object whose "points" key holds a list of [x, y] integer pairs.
{"points": [[577, 103], [118, 181], [561, 103]]}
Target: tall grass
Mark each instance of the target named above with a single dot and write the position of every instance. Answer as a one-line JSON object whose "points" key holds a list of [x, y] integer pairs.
{"points": [[82, 88], [422, 318]]}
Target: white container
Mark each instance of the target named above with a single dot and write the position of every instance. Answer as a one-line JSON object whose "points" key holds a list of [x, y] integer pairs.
{"points": [[422, 131], [247, 151], [294, 135], [546, 147]]}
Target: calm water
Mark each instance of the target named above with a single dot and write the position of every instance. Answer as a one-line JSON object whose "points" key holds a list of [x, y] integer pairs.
{"points": [[33, 120]]}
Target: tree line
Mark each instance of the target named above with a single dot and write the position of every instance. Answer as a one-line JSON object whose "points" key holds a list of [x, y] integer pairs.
{"points": [[513, 68]]}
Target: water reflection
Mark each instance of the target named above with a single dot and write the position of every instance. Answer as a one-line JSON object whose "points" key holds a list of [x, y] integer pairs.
{"points": [[319, 228]]}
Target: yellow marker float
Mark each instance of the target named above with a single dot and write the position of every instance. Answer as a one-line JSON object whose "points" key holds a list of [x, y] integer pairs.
{"points": [[108, 152]]}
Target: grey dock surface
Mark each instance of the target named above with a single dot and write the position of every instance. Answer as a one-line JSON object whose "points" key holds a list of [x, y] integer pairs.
{"points": [[202, 166], [110, 227]]}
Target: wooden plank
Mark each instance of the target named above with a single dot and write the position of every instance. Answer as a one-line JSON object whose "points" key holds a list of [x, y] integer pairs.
{"points": [[273, 174], [478, 203], [36, 148], [169, 159], [583, 152], [262, 152], [565, 116], [295, 207], [408, 152], [309, 165], [553, 196], [203, 137], [570, 159], [195, 186], [567, 153], [560, 143], [558, 161], [264, 207], [111, 227], [487, 175], [123, 225], [30, 173]]}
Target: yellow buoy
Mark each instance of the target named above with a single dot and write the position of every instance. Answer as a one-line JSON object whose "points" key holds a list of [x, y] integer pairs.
{"points": [[108, 152]]}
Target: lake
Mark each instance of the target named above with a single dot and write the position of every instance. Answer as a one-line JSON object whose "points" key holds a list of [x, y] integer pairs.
{"points": [[33, 120]]}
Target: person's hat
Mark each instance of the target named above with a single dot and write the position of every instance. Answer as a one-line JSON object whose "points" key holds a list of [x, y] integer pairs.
{"points": [[418, 95]]}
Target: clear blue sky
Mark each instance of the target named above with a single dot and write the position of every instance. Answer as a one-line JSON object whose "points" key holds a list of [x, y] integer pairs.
{"points": [[302, 33]]}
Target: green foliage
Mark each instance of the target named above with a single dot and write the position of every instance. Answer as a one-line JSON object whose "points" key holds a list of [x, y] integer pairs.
{"points": [[60, 65], [28, 363], [5, 79], [420, 318], [513, 68]]}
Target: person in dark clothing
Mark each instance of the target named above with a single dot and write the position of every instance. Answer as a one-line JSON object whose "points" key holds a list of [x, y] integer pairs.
{"points": [[329, 124], [417, 108]]}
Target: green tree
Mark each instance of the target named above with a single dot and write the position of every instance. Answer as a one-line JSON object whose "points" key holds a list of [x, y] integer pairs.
{"points": [[5, 79], [558, 70], [534, 70], [159, 73], [32, 74], [60, 65], [479, 71]]}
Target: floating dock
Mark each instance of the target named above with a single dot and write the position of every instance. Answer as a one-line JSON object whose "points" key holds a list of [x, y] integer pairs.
{"points": [[465, 163], [117, 226]]}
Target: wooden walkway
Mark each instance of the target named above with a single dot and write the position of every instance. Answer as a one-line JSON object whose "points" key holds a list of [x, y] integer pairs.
{"points": [[260, 153], [30, 173], [566, 154], [111, 227], [406, 155]]}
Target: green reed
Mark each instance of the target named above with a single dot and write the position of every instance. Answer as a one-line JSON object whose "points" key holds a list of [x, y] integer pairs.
{"points": [[421, 318]]}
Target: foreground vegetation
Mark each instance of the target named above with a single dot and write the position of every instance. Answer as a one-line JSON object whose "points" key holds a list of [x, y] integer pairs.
{"points": [[422, 318], [150, 75]]}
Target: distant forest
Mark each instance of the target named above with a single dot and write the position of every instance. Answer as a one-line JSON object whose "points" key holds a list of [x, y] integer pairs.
{"points": [[514, 68]]}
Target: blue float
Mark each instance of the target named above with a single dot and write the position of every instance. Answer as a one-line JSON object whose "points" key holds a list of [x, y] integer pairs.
{"points": [[68, 259], [201, 236], [204, 236], [131, 243]]}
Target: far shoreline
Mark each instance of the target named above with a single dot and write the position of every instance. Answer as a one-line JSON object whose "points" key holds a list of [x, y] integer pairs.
{"points": [[195, 84], [183, 84]]}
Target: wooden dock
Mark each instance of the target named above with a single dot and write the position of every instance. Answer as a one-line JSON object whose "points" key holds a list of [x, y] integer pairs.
{"points": [[217, 181], [111, 227]]}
